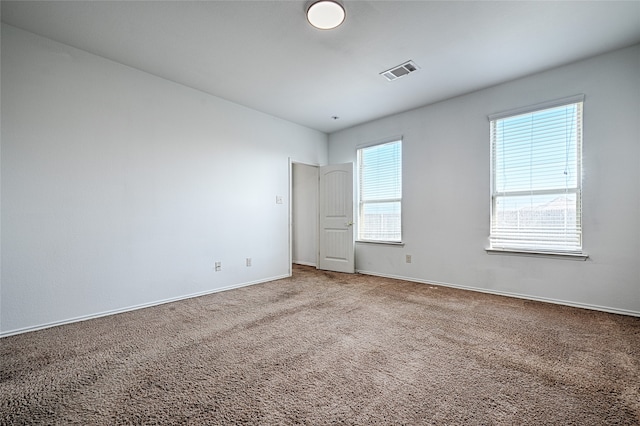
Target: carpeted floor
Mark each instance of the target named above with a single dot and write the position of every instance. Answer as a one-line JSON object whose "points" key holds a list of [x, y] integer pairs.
{"points": [[329, 348]]}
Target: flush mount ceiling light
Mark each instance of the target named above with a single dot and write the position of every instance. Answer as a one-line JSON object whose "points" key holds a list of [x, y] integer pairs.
{"points": [[325, 14]]}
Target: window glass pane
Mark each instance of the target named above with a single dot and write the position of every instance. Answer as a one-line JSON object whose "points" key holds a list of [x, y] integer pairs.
{"points": [[537, 151], [543, 222], [380, 221], [380, 172]]}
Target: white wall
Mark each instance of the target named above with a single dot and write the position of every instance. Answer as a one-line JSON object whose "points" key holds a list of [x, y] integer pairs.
{"points": [[0, 177], [304, 214], [121, 189], [1, 127], [446, 189]]}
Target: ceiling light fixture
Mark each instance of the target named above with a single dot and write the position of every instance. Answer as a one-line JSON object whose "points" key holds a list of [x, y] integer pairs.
{"points": [[326, 14]]}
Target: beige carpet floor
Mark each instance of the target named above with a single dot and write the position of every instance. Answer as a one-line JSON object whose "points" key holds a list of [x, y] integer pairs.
{"points": [[328, 348]]}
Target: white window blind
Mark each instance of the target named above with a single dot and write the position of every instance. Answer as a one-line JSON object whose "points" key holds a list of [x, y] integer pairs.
{"points": [[380, 192], [536, 178]]}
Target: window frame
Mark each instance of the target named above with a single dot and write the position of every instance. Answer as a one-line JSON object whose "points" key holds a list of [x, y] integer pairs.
{"points": [[577, 253], [361, 202]]}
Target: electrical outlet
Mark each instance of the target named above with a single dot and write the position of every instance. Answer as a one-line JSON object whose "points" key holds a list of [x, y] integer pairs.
{"points": [[248, 261], [278, 199], [408, 258], [218, 266]]}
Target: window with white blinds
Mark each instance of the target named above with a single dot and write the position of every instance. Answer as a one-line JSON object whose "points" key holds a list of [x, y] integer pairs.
{"points": [[380, 192], [537, 177]]}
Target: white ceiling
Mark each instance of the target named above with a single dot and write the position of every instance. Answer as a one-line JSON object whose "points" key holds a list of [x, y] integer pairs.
{"points": [[264, 54]]}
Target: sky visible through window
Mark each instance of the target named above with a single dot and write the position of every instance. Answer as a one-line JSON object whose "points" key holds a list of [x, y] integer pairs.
{"points": [[536, 152], [380, 179]]}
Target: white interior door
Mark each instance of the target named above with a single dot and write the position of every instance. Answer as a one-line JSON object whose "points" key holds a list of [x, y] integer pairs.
{"points": [[336, 218]]}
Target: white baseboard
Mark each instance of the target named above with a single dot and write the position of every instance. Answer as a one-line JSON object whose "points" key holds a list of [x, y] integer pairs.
{"points": [[134, 307], [301, 262], [360, 271], [509, 294]]}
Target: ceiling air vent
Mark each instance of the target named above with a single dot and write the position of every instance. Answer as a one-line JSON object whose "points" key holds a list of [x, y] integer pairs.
{"points": [[400, 71]]}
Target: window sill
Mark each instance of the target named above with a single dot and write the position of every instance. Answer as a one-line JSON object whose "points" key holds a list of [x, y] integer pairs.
{"points": [[384, 243], [556, 255]]}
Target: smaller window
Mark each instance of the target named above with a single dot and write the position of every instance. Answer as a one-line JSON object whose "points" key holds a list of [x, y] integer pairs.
{"points": [[380, 192]]}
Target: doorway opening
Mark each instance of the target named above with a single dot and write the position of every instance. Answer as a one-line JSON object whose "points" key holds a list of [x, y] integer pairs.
{"points": [[321, 216], [304, 214]]}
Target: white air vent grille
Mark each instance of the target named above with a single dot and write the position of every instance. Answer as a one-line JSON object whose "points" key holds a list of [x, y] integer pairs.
{"points": [[400, 71]]}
